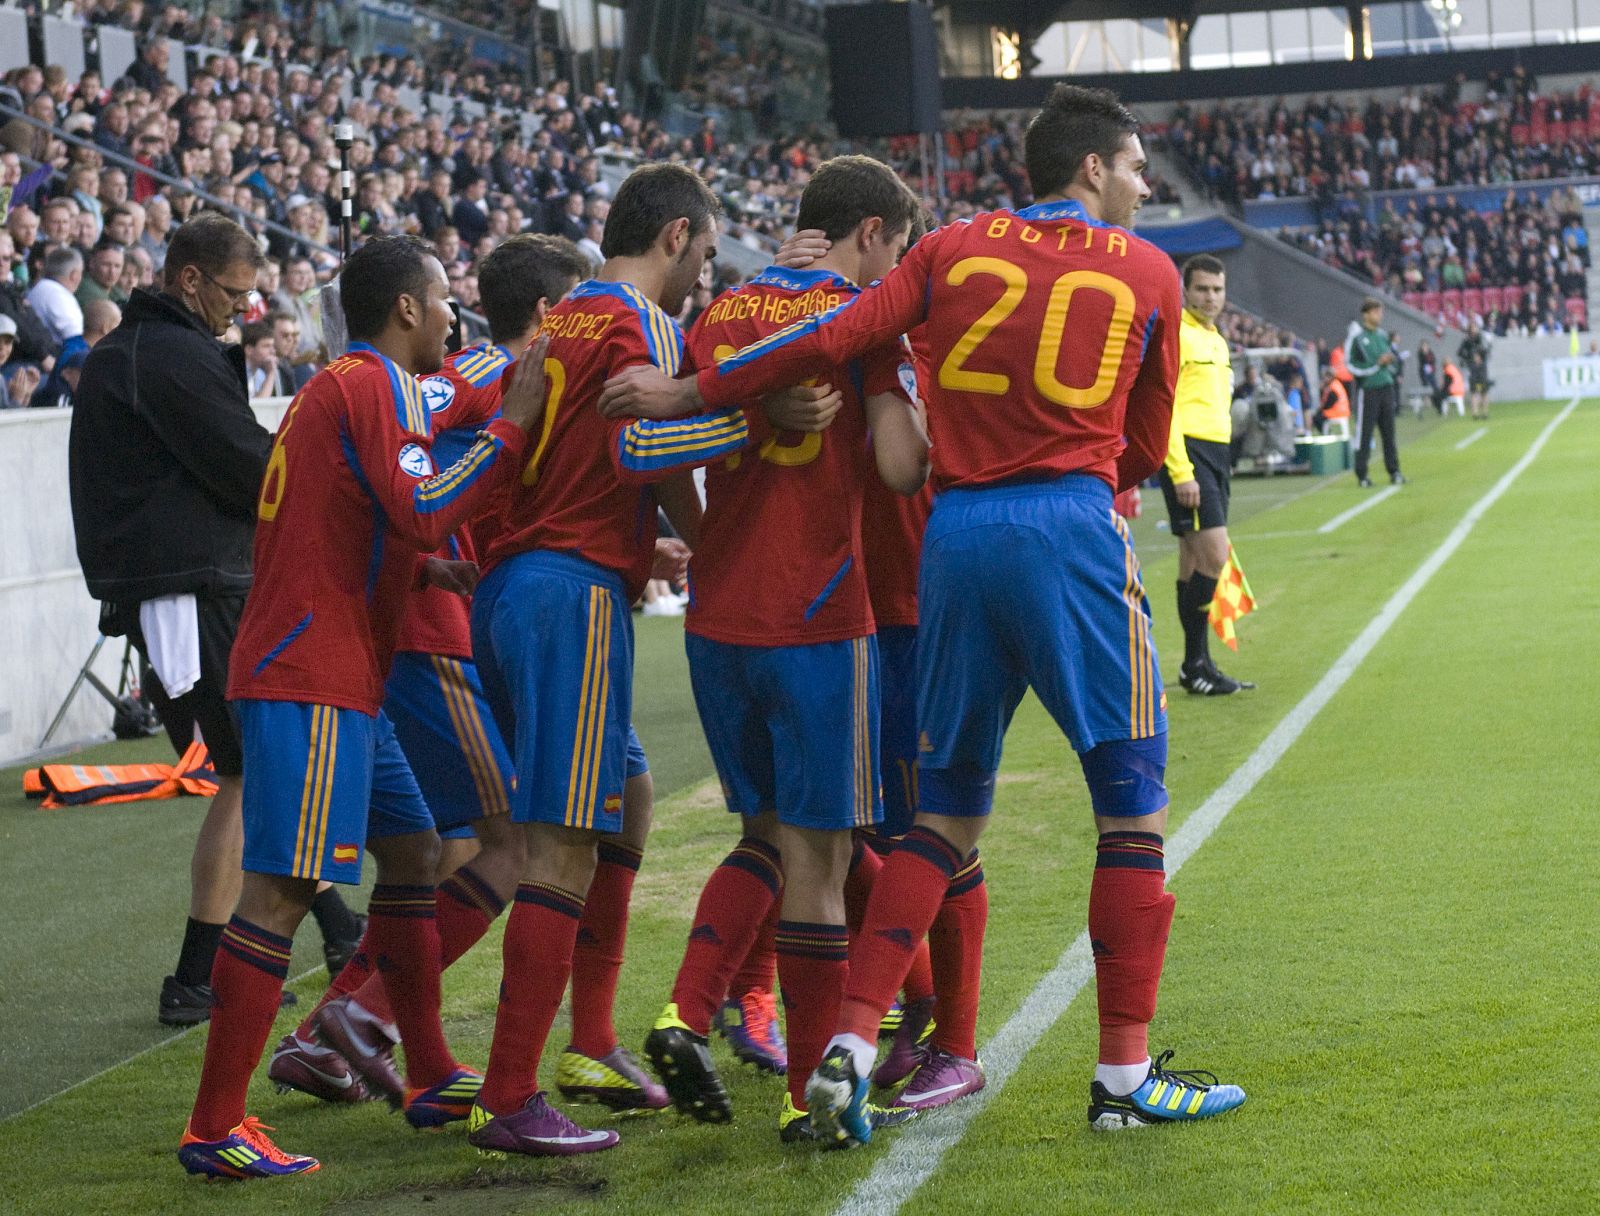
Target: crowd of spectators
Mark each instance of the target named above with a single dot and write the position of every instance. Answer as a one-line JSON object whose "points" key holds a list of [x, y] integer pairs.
{"points": [[1519, 270], [1424, 140]]}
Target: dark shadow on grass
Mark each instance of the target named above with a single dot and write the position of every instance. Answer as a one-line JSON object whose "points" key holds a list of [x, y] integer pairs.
{"points": [[498, 1190]]}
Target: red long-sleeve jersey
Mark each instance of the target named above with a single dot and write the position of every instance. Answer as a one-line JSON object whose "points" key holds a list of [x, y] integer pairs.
{"points": [[586, 490], [1053, 339], [351, 500], [779, 561], [462, 398]]}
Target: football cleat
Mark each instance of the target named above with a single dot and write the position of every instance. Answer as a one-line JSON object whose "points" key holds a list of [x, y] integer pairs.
{"points": [[537, 1130], [837, 1098], [683, 1062], [314, 1069], [245, 1152], [794, 1124], [449, 1101], [366, 1043], [891, 1021], [1166, 1096], [1204, 680], [183, 1004], [750, 1025], [940, 1080], [1397, 480], [338, 951], [916, 1024], [614, 1080]]}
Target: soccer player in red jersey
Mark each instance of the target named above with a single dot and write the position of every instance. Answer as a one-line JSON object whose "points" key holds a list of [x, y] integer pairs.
{"points": [[1028, 578], [552, 632], [350, 501], [781, 648], [342, 1050]]}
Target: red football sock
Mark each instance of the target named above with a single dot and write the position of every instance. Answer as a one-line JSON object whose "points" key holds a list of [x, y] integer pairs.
{"points": [[540, 933], [351, 977], [956, 943], [1130, 915], [465, 907], [812, 963], [597, 956], [904, 902], [865, 866], [734, 902], [759, 971], [403, 933], [247, 977]]}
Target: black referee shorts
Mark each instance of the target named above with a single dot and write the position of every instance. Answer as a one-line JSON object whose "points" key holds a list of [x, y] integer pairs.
{"points": [[1213, 465], [206, 704]]}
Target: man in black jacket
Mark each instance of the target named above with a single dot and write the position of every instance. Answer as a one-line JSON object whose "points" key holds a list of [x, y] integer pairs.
{"points": [[166, 460]]}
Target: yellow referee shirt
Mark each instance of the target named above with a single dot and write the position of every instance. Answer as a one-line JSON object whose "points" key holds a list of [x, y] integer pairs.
{"points": [[1202, 402]]}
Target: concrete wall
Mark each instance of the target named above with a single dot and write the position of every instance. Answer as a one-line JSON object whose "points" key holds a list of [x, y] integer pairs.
{"points": [[47, 620]]}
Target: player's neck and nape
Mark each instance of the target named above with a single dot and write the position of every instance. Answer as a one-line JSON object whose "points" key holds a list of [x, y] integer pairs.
{"points": [[649, 272]]}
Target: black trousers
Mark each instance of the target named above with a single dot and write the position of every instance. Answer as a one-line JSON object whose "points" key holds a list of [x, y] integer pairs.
{"points": [[1377, 410]]}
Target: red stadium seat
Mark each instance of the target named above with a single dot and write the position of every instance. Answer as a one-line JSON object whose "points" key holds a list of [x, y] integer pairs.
{"points": [[1431, 303], [1450, 301], [1520, 133], [1472, 300], [1594, 121], [1413, 299], [1493, 299], [1558, 132], [1513, 298], [1577, 311]]}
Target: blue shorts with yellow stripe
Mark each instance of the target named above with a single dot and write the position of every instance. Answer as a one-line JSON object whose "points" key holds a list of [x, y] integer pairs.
{"points": [[897, 726], [448, 734], [553, 637], [319, 781], [793, 728], [1035, 585]]}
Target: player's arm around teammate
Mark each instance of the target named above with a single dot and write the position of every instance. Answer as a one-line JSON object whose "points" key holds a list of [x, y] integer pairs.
{"points": [[1196, 474]]}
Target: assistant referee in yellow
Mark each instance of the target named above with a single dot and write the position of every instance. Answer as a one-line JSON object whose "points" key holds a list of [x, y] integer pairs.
{"points": [[1195, 478]]}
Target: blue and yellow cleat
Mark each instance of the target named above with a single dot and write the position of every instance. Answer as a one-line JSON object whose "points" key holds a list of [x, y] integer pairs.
{"points": [[245, 1152], [1167, 1096], [837, 1098], [449, 1101]]}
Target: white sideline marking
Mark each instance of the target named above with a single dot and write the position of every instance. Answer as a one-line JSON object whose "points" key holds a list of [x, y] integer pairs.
{"points": [[1344, 517], [917, 1151], [143, 1051], [1472, 438]]}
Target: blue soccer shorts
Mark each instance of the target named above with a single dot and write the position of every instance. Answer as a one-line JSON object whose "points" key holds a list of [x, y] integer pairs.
{"points": [[793, 728], [897, 726], [448, 734], [318, 782], [553, 638], [1036, 585]]}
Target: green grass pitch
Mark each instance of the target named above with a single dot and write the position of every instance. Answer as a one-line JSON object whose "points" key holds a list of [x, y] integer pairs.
{"points": [[1389, 943]]}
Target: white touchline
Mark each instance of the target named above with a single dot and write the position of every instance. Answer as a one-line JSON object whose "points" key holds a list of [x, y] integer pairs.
{"points": [[917, 1151], [1472, 438], [1344, 517]]}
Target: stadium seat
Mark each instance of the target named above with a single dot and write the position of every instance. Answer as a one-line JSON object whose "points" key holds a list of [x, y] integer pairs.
{"points": [[1450, 302], [1494, 299], [1431, 303], [1558, 133], [1513, 296], [1472, 300], [1577, 311], [1520, 133], [1413, 299]]}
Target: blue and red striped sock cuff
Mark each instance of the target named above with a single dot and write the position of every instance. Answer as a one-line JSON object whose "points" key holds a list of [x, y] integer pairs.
{"points": [[546, 896], [468, 889], [1131, 851], [797, 938], [966, 878], [932, 848], [254, 945], [413, 903], [759, 858], [610, 854]]}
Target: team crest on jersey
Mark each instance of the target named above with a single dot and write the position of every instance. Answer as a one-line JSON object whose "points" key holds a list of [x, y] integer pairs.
{"points": [[416, 461], [908, 381], [437, 393]]}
